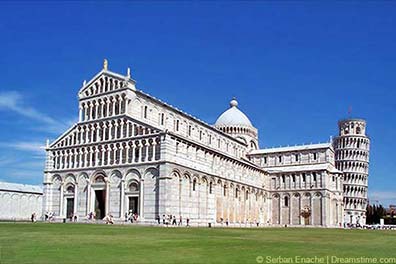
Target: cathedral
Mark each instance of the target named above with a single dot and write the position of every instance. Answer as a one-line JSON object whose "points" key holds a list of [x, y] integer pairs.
{"points": [[131, 152]]}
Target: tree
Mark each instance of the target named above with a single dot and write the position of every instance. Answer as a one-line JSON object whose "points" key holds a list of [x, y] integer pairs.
{"points": [[374, 213]]}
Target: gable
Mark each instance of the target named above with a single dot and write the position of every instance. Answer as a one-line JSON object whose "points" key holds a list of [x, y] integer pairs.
{"points": [[105, 82]]}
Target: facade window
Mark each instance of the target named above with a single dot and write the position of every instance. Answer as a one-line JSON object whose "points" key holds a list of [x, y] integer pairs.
{"points": [[177, 147], [70, 189], [189, 130], [210, 139], [293, 177], [247, 195], [236, 193], [162, 119], [200, 135], [225, 190], [265, 160], [314, 176], [134, 187], [286, 201], [296, 157], [315, 156], [194, 184], [210, 188], [303, 177], [145, 112], [177, 125], [283, 178], [280, 159]]}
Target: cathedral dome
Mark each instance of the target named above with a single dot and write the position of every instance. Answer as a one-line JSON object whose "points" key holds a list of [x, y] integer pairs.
{"points": [[233, 117]]}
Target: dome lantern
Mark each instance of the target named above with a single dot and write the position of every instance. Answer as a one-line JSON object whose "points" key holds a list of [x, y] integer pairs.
{"points": [[234, 122]]}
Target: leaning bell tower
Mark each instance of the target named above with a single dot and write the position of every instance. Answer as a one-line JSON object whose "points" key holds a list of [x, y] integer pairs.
{"points": [[352, 151]]}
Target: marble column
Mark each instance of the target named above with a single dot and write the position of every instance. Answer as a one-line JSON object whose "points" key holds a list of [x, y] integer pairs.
{"points": [[75, 210], [141, 199], [61, 213], [122, 204], [107, 204]]}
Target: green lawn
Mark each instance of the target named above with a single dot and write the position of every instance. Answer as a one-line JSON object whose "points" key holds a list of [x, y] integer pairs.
{"points": [[88, 243]]}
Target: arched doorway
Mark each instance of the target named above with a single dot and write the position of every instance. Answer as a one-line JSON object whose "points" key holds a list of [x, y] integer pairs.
{"points": [[99, 197], [132, 194]]}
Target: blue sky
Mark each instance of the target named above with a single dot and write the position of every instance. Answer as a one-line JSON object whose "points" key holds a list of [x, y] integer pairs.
{"points": [[295, 67]]}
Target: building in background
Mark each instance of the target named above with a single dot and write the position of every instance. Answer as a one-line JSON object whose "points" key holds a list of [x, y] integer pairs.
{"points": [[20, 201], [131, 152]]}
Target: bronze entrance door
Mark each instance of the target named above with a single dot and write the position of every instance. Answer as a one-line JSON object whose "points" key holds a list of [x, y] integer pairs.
{"points": [[69, 207]]}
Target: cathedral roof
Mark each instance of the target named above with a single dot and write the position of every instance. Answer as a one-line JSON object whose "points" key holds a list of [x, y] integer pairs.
{"points": [[299, 168], [233, 116], [16, 187], [291, 148]]}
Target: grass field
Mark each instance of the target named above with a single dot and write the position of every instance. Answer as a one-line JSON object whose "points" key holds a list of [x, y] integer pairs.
{"points": [[87, 243]]}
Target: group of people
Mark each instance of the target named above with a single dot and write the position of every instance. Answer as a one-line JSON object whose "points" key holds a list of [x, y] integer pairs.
{"points": [[247, 221], [73, 217], [131, 216], [49, 216], [171, 219]]}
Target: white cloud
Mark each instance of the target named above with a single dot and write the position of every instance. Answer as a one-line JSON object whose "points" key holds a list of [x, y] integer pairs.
{"points": [[14, 101], [383, 197], [37, 147]]}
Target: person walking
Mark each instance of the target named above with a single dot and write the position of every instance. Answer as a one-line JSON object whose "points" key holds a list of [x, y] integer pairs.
{"points": [[33, 217], [188, 221], [180, 221], [158, 219]]}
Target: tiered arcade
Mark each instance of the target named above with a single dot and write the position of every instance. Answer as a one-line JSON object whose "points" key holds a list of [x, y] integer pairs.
{"points": [[352, 150]]}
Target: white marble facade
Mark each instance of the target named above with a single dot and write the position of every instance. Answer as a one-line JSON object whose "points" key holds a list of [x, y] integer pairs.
{"points": [[131, 151]]}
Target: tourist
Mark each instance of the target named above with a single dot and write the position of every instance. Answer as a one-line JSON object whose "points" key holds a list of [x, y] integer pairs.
{"points": [[227, 222], [108, 219], [130, 216], [180, 221], [188, 221], [158, 219], [174, 220], [33, 217], [51, 216], [163, 219], [135, 217], [126, 216]]}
